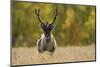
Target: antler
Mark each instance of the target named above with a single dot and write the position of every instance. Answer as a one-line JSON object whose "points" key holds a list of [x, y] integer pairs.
{"points": [[54, 17], [37, 11]]}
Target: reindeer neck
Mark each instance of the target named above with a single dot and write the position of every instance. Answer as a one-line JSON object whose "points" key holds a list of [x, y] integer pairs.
{"points": [[48, 38]]}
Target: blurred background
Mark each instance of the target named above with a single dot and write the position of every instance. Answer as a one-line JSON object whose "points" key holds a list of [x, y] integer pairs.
{"points": [[75, 24]]}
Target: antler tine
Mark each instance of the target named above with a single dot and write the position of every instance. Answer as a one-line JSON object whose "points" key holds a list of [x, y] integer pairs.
{"points": [[54, 17], [37, 11]]}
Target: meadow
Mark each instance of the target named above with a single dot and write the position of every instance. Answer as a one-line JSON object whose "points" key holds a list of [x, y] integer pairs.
{"points": [[24, 56]]}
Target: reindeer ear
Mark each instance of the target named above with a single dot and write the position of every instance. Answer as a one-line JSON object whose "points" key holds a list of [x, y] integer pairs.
{"points": [[53, 25], [42, 25]]}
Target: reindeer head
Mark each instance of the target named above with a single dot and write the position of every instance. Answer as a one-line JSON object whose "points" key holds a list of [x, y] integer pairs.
{"points": [[47, 28]]}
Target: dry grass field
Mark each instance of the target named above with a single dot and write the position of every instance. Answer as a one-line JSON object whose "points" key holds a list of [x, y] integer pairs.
{"points": [[21, 56]]}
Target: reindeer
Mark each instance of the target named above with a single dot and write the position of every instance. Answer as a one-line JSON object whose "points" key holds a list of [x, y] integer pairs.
{"points": [[47, 41]]}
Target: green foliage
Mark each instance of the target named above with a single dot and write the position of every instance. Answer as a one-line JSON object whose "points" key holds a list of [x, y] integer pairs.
{"points": [[75, 24]]}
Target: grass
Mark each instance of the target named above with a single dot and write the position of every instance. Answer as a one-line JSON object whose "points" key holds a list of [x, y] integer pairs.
{"points": [[21, 56]]}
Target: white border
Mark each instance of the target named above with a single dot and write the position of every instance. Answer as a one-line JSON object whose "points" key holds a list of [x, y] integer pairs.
{"points": [[5, 33]]}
